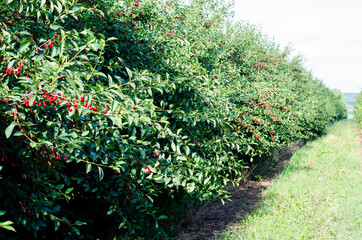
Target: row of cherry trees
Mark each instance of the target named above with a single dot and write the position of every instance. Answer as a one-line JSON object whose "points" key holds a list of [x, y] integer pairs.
{"points": [[114, 113], [357, 110]]}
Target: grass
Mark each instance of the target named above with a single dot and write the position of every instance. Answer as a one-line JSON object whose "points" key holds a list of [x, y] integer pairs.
{"points": [[317, 196]]}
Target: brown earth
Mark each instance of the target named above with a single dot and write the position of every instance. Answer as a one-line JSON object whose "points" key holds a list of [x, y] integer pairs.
{"points": [[207, 221]]}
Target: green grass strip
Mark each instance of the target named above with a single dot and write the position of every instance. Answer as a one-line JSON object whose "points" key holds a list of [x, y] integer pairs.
{"points": [[317, 196]]}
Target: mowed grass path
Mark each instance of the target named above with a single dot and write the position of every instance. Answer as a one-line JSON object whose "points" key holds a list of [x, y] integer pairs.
{"points": [[317, 196]]}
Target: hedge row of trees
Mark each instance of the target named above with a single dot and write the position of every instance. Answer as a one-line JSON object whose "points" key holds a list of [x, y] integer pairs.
{"points": [[113, 112], [357, 109]]}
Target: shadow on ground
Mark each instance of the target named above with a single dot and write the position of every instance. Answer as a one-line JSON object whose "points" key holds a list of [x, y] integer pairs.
{"points": [[207, 221]]}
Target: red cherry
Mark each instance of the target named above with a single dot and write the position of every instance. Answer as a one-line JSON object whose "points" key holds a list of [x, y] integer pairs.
{"points": [[9, 71]]}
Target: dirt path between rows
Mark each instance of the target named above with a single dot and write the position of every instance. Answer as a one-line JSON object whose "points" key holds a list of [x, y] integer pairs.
{"points": [[207, 221]]}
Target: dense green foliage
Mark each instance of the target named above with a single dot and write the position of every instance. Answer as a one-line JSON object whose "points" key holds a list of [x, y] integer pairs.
{"points": [[357, 109], [109, 109], [341, 106]]}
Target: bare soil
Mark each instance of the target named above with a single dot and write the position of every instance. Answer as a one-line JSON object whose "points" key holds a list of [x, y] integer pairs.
{"points": [[207, 221]]}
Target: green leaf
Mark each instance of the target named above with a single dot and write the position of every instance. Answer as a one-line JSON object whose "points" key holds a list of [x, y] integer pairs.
{"points": [[25, 33], [110, 80], [191, 188], [56, 225], [88, 168], [11, 63], [7, 226], [173, 146], [55, 27], [159, 179], [56, 208], [112, 39], [129, 72], [142, 152], [51, 6], [187, 150], [59, 8], [69, 190], [100, 173], [9, 129], [162, 217], [24, 45], [79, 223], [149, 90], [76, 230], [85, 133]]}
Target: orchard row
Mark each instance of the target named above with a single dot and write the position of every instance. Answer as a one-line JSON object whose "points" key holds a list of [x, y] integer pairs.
{"points": [[357, 110], [115, 112]]}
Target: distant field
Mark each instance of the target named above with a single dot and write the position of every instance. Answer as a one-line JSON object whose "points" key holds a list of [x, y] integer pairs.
{"points": [[350, 99]]}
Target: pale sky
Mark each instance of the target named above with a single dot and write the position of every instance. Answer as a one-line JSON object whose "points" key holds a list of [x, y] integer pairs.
{"points": [[327, 33]]}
